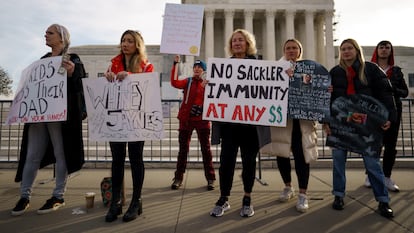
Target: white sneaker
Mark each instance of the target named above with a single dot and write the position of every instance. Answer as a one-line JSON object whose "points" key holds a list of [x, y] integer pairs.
{"points": [[367, 183], [302, 204], [390, 184], [247, 211], [218, 210], [287, 194]]}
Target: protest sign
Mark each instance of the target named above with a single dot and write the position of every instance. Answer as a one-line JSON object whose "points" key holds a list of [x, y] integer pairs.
{"points": [[41, 94], [182, 28], [124, 111], [246, 91], [356, 123], [309, 98]]}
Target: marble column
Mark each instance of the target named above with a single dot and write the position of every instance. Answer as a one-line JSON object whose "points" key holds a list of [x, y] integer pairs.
{"points": [[310, 35], [330, 53], [320, 40], [209, 33], [228, 24], [270, 35], [248, 20], [290, 24]]}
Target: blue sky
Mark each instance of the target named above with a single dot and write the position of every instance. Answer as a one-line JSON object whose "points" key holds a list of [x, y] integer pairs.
{"points": [[90, 22]]}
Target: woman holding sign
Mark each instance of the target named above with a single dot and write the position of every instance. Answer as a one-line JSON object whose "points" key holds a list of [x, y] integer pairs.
{"points": [[298, 137], [241, 45], [355, 76], [57, 142], [132, 59]]}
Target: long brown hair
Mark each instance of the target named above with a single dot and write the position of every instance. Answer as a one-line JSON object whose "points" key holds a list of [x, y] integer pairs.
{"points": [[140, 54], [360, 58]]}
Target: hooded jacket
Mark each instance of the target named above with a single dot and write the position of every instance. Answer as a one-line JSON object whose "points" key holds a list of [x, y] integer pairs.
{"points": [[396, 77]]}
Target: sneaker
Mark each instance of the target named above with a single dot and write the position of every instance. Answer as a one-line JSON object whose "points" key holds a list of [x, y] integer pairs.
{"points": [[51, 205], [247, 211], [367, 183], [176, 184], [391, 185], [302, 204], [287, 194], [222, 205], [210, 185], [21, 207]]}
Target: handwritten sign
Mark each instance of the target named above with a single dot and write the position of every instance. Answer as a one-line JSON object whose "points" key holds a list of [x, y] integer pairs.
{"points": [[309, 98], [356, 123], [41, 94], [124, 111], [246, 91], [182, 28]]}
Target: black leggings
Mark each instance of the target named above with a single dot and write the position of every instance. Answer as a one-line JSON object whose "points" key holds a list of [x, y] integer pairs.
{"points": [[301, 167], [135, 150], [233, 137]]}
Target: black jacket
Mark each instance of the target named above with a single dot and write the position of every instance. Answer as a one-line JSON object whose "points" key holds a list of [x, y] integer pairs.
{"points": [[399, 86], [378, 85]]}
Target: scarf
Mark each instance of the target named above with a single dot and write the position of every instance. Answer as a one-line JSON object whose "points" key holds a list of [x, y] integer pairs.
{"points": [[350, 74]]}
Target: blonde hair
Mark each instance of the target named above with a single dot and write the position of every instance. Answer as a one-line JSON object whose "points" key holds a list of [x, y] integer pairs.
{"points": [[296, 41], [360, 58], [64, 35], [140, 54], [250, 41]]}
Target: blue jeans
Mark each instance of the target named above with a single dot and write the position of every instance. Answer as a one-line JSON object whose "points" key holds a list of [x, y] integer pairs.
{"points": [[374, 171], [39, 135]]}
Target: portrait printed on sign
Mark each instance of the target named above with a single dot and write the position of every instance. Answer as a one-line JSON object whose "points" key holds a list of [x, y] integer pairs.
{"points": [[309, 98], [355, 124]]}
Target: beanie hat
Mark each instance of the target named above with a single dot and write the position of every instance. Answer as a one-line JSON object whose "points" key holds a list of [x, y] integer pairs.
{"points": [[200, 63]]}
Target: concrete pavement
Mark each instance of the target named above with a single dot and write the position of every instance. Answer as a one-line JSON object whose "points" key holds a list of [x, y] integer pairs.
{"points": [[187, 209]]}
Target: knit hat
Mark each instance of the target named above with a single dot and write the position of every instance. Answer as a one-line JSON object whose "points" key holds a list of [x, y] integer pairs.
{"points": [[200, 63]]}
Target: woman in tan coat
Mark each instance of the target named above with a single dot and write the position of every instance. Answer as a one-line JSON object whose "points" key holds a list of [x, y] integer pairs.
{"points": [[298, 137]]}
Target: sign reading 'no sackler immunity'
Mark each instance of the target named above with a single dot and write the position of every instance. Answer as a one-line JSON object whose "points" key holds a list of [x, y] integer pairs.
{"points": [[246, 91]]}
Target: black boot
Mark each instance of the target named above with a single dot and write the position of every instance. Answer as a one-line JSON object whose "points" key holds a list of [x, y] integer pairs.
{"points": [[113, 212], [135, 209], [385, 210]]}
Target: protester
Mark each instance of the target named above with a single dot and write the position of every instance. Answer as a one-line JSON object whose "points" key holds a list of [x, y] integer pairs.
{"points": [[298, 137], [131, 59], [61, 142], [355, 76], [190, 116], [241, 45], [384, 56]]}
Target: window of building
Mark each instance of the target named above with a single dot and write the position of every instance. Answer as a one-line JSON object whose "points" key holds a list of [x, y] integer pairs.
{"points": [[100, 75], [86, 75], [411, 79]]}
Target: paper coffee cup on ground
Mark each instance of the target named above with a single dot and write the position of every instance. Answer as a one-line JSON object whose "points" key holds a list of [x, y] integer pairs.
{"points": [[90, 199]]}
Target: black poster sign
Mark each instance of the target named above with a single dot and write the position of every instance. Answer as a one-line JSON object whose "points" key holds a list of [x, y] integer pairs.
{"points": [[356, 123], [309, 98]]}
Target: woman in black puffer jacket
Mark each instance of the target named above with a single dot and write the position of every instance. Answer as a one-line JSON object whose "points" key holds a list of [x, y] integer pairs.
{"points": [[355, 76]]}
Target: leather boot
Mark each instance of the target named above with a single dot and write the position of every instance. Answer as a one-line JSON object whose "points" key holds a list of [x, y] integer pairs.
{"points": [[113, 212], [135, 209]]}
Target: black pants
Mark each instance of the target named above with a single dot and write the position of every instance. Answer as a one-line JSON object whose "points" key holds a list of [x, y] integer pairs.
{"points": [[390, 143], [135, 150], [301, 167], [233, 137]]}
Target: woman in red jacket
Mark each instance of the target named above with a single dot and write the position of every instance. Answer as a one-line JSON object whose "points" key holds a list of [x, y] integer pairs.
{"points": [[190, 116], [132, 59]]}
